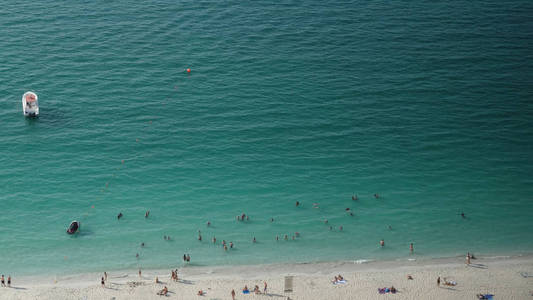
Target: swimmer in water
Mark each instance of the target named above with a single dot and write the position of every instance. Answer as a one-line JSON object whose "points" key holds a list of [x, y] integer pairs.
{"points": [[142, 244], [463, 215], [271, 220], [326, 221], [376, 196], [146, 214], [286, 237], [255, 241], [119, 216], [340, 228], [297, 203], [214, 240], [277, 238], [382, 243], [231, 245], [208, 223], [390, 227], [354, 197], [411, 248]]}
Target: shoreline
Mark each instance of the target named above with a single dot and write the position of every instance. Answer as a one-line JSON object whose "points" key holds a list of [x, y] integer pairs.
{"points": [[496, 275]]}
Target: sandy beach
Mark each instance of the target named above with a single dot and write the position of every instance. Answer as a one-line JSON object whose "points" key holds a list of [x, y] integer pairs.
{"points": [[504, 277]]}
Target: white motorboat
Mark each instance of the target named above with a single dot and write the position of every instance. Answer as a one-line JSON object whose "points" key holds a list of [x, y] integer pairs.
{"points": [[30, 105]]}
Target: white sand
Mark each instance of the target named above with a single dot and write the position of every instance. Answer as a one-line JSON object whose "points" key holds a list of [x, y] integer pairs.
{"points": [[499, 276]]}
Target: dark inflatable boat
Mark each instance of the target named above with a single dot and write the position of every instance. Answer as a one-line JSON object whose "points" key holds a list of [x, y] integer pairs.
{"points": [[74, 227]]}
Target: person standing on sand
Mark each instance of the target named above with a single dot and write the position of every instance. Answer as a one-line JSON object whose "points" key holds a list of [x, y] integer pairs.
{"points": [[3, 281], [105, 276], [102, 282], [140, 276], [265, 288], [438, 281], [9, 281], [233, 294], [468, 258]]}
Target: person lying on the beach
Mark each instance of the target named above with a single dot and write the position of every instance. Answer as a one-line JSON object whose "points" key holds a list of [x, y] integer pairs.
{"points": [[409, 277], [163, 292], [450, 283], [484, 297], [200, 293], [387, 290]]}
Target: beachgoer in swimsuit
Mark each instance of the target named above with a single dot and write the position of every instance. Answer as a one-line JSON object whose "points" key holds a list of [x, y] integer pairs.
{"points": [[382, 243], [231, 245], [9, 281], [119, 216], [146, 214], [265, 288], [102, 282], [3, 281], [255, 241], [233, 294], [411, 248], [297, 203]]}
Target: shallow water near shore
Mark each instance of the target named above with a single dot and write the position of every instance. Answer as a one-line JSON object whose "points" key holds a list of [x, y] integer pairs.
{"points": [[428, 106]]}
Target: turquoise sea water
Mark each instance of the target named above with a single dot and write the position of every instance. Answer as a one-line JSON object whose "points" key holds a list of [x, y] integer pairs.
{"points": [[430, 105]]}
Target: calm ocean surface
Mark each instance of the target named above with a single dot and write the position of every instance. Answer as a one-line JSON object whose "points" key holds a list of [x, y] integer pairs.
{"points": [[430, 105]]}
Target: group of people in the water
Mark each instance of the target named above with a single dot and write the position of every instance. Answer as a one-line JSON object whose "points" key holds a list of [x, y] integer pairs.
{"points": [[244, 217]]}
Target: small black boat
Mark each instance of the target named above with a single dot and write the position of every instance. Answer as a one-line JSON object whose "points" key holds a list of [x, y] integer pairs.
{"points": [[74, 227]]}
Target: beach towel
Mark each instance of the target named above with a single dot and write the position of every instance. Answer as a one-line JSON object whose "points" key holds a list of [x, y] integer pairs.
{"points": [[246, 292], [339, 282], [486, 296]]}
